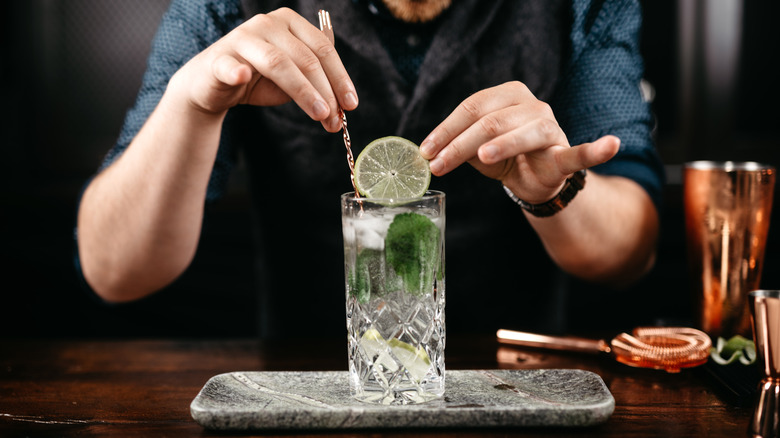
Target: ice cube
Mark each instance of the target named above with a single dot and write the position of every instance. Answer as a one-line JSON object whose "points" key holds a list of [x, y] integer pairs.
{"points": [[370, 232]]}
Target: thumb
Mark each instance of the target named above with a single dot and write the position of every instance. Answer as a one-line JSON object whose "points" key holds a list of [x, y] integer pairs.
{"points": [[603, 149], [588, 155], [230, 71]]}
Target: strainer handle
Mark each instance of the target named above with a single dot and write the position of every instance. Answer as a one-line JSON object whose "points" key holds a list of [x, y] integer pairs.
{"points": [[561, 343]]}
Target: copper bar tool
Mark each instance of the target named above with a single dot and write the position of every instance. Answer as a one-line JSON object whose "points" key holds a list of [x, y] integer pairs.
{"points": [[666, 348], [765, 313], [327, 28]]}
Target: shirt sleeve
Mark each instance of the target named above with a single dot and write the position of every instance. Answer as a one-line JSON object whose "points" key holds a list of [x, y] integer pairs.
{"points": [[600, 91], [186, 29]]}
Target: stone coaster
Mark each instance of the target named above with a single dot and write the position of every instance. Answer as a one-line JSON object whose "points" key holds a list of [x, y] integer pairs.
{"points": [[473, 398]]}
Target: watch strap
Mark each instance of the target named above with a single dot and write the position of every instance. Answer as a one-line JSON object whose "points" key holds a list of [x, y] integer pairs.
{"points": [[571, 187]]}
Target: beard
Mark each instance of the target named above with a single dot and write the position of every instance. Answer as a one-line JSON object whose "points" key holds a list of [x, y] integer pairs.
{"points": [[416, 11]]}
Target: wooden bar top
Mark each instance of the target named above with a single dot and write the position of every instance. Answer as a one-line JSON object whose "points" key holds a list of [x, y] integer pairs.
{"points": [[63, 387]]}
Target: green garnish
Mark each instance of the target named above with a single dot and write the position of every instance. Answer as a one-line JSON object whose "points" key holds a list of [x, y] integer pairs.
{"points": [[362, 285], [736, 348], [413, 250]]}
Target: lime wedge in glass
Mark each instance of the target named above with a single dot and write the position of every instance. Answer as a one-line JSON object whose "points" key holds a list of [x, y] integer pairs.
{"points": [[392, 168], [390, 353]]}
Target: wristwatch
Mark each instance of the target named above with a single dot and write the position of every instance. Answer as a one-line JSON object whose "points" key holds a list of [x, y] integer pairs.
{"points": [[558, 202]]}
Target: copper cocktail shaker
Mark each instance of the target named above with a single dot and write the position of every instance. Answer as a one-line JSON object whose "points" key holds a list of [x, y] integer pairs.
{"points": [[727, 209]]}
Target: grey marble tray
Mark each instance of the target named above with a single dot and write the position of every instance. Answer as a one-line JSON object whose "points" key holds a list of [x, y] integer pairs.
{"points": [[473, 398]]}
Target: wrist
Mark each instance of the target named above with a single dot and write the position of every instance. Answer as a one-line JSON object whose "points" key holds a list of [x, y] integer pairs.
{"points": [[570, 188]]}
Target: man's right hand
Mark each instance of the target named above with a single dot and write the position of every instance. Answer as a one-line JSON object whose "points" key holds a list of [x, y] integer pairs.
{"points": [[269, 60]]}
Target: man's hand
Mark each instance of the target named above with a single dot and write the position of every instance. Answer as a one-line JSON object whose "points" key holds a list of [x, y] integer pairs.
{"points": [[607, 234], [509, 135], [269, 60]]}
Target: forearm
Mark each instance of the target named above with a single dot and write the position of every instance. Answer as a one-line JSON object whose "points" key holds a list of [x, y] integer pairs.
{"points": [[606, 234], [139, 220]]}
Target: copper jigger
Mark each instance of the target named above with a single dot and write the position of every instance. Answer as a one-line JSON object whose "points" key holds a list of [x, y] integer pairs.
{"points": [[727, 212], [765, 311]]}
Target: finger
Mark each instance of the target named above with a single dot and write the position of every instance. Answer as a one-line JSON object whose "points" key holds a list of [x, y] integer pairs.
{"points": [[331, 64], [466, 145], [588, 155], [539, 134], [231, 71], [306, 56], [271, 94], [325, 51], [276, 65], [319, 62], [469, 112]]}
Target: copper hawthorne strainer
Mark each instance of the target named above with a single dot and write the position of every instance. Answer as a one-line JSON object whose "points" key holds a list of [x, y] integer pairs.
{"points": [[664, 348]]}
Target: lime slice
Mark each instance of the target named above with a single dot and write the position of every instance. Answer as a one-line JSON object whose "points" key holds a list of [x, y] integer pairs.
{"points": [[392, 168], [390, 354], [414, 359]]}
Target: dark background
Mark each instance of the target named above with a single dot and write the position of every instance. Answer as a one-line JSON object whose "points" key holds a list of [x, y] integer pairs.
{"points": [[71, 68]]}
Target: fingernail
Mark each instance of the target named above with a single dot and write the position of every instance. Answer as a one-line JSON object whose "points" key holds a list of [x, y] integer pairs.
{"points": [[320, 109], [351, 100], [426, 148], [436, 166], [335, 123]]}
